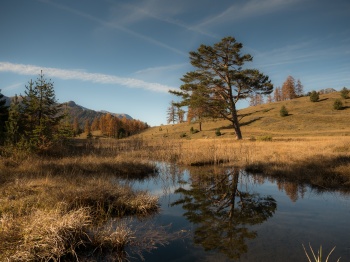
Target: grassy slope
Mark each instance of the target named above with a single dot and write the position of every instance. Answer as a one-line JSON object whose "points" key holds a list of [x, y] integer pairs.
{"points": [[305, 119]]}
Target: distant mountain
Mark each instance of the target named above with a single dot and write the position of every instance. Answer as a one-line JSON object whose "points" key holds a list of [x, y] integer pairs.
{"points": [[8, 100], [83, 113], [327, 91]]}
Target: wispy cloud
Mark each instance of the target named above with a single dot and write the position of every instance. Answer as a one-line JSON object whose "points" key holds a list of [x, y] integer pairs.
{"points": [[82, 76], [246, 9], [113, 25], [161, 69], [13, 86], [156, 10]]}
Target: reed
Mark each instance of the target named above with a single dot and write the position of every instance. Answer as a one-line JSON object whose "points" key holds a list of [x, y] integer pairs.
{"points": [[48, 206], [319, 256]]}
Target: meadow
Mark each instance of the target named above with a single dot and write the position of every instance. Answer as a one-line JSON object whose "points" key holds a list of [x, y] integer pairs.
{"points": [[56, 207]]}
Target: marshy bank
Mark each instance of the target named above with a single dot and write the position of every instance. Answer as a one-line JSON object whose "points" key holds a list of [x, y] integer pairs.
{"points": [[60, 206], [56, 209], [319, 161]]}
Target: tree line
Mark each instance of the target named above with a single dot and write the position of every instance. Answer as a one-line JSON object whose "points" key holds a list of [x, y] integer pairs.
{"points": [[111, 126], [290, 89], [36, 122]]}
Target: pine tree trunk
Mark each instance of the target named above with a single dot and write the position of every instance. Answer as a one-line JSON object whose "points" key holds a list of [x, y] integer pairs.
{"points": [[236, 124]]}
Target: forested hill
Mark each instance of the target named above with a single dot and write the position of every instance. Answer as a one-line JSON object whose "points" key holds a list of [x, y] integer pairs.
{"points": [[80, 112], [83, 114]]}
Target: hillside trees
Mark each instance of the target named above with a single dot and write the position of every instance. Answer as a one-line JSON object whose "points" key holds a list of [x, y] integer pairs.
{"points": [[3, 117], [171, 113], [219, 80], [14, 126], [42, 113], [288, 89], [314, 96], [299, 89], [35, 122], [116, 127], [344, 93]]}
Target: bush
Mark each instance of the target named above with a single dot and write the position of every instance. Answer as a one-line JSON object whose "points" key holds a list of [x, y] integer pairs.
{"points": [[183, 135], [344, 93], [283, 111], [314, 96], [193, 131], [338, 105], [218, 132], [265, 138]]}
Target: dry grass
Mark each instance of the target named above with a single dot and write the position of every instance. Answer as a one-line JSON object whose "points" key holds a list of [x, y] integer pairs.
{"points": [[318, 257], [48, 206], [50, 235], [305, 119], [321, 161]]}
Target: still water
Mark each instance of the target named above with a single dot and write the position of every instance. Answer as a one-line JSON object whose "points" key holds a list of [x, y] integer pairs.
{"points": [[224, 214]]}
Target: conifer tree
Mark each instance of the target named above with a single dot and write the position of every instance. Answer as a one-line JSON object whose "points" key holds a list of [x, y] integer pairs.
{"points": [[269, 99], [299, 88], [87, 129], [219, 81], [277, 94], [41, 112], [288, 89], [14, 125], [76, 127], [171, 113], [4, 113], [314, 96], [344, 93], [180, 115]]}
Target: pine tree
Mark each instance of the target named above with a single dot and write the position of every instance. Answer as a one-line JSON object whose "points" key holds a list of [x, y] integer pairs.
{"points": [[42, 114], [220, 80], [283, 111], [4, 114], [171, 113], [278, 94], [65, 129], [299, 89], [288, 89], [95, 124], [252, 101], [344, 93], [76, 127], [180, 115], [87, 129], [314, 96], [269, 99], [14, 124]]}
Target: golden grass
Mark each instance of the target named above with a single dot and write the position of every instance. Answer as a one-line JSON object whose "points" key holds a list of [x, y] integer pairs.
{"points": [[319, 256], [48, 205], [323, 161], [305, 119]]}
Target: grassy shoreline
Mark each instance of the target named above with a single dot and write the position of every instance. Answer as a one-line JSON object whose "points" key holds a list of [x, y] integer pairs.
{"points": [[50, 208], [53, 207]]}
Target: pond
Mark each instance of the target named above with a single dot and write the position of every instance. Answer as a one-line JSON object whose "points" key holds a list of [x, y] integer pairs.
{"points": [[226, 214]]}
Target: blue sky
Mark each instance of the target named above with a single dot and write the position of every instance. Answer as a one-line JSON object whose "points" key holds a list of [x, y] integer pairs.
{"points": [[124, 55]]}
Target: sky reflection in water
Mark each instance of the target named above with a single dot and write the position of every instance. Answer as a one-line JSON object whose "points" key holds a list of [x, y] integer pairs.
{"points": [[229, 215]]}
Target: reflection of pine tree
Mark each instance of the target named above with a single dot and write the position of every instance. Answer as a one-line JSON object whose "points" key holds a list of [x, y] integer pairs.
{"points": [[223, 213]]}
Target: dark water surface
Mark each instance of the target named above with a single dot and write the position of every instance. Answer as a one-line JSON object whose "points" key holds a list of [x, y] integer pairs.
{"points": [[224, 214]]}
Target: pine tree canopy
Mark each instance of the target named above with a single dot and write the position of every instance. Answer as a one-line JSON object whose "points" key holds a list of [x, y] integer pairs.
{"points": [[219, 81]]}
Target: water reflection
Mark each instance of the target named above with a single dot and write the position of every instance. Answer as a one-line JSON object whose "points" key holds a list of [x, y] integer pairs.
{"points": [[223, 210]]}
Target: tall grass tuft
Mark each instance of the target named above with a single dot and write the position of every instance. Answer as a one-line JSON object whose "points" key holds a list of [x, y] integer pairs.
{"points": [[318, 257], [50, 235]]}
